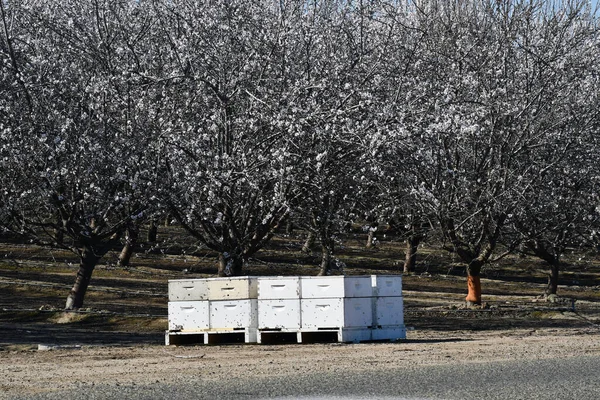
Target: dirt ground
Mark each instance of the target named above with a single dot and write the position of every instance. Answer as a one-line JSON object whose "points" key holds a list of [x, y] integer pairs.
{"points": [[119, 338], [27, 371]]}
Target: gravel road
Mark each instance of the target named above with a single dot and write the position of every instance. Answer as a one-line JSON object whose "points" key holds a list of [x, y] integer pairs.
{"points": [[574, 378], [514, 364]]}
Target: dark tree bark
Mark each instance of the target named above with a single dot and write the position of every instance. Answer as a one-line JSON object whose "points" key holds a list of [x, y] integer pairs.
{"points": [[289, 227], [327, 248], [552, 287], [131, 239], [552, 258], [59, 234], [222, 270], [371, 235], [92, 249], [230, 265], [309, 244], [325, 261], [88, 259], [412, 245], [152, 231]]}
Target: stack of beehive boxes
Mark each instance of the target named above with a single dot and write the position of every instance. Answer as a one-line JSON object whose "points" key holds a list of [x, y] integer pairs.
{"points": [[213, 307], [343, 305], [279, 304], [388, 315], [352, 308]]}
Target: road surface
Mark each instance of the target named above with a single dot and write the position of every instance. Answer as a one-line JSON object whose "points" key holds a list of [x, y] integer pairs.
{"points": [[558, 378]]}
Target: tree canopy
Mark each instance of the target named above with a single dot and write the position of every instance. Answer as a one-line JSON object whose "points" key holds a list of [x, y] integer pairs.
{"points": [[475, 121]]}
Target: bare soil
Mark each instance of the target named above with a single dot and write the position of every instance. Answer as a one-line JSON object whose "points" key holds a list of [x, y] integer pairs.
{"points": [[27, 371], [119, 338]]}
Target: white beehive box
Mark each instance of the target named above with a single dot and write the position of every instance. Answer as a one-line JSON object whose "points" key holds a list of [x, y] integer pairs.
{"points": [[336, 312], [229, 314], [213, 289], [273, 288], [387, 285], [279, 314], [320, 287], [233, 288], [188, 315], [188, 290], [389, 311]]}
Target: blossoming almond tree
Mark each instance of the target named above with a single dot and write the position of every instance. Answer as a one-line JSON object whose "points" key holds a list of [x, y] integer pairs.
{"points": [[559, 208], [76, 140], [492, 93], [226, 161], [339, 50]]}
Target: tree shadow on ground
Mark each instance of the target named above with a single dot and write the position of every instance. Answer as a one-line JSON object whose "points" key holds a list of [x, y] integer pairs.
{"points": [[489, 321]]}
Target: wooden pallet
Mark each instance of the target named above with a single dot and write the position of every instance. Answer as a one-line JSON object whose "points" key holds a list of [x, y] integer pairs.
{"points": [[283, 336], [314, 335], [212, 336]]}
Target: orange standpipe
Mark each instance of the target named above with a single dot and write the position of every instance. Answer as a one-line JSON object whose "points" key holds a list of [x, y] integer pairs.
{"points": [[474, 284]]}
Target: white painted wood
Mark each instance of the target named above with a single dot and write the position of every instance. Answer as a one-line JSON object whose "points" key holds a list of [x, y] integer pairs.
{"points": [[352, 335], [336, 312], [233, 314], [389, 311], [278, 287], [188, 315], [277, 314], [188, 290], [319, 287], [387, 285], [235, 288]]}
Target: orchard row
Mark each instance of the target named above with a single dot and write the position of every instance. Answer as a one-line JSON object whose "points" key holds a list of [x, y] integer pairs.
{"points": [[473, 121]]}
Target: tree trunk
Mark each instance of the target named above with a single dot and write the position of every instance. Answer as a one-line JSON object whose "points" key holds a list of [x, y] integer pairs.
{"points": [[474, 288], [371, 235], [309, 243], [475, 258], [552, 287], [326, 255], [152, 231], [222, 270], [230, 265], [131, 238], [325, 261], [289, 227], [87, 263], [412, 245], [552, 257], [474, 282], [237, 266], [59, 234]]}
